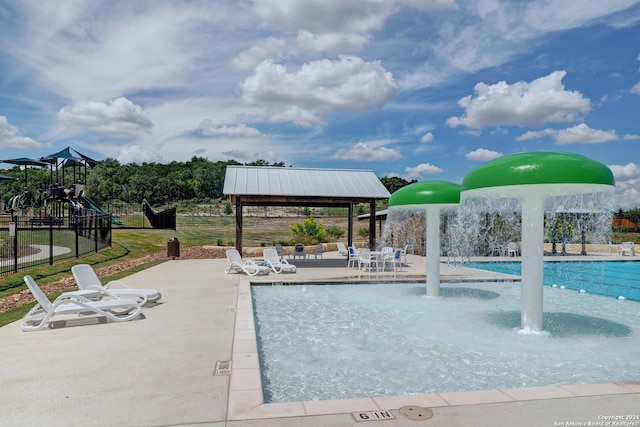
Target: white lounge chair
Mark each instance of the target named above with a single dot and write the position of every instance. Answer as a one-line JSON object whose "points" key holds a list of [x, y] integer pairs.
{"points": [[87, 279], [117, 310], [277, 265], [513, 249], [627, 247], [342, 249], [250, 268]]}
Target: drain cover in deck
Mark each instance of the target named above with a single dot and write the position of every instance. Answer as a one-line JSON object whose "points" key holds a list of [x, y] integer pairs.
{"points": [[416, 413]]}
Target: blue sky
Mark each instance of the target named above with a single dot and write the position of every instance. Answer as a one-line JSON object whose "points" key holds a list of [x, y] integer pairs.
{"points": [[422, 89]]}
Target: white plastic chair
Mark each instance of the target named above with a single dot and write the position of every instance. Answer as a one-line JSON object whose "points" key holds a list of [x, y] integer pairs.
{"points": [[396, 260], [353, 257], [627, 247], [250, 268], [513, 249], [277, 265], [87, 279], [117, 310], [364, 259]]}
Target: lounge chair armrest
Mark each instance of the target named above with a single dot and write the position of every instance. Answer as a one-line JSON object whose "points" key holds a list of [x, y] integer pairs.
{"points": [[116, 283], [103, 291], [69, 297]]}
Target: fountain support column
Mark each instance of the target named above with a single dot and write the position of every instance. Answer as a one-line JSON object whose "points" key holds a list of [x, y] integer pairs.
{"points": [[532, 262], [432, 238]]}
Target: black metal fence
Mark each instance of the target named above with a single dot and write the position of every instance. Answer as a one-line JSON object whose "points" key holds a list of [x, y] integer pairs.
{"points": [[28, 242]]}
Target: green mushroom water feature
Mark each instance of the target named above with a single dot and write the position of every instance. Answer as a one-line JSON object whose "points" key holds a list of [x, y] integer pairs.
{"points": [[430, 197], [541, 181]]}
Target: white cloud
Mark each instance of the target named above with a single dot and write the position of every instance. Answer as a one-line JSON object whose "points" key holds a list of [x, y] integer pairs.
{"points": [[482, 154], [427, 137], [241, 130], [271, 47], [117, 117], [11, 137], [627, 194], [636, 88], [630, 170], [521, 104], [630, 137], [422, 169], [348, 83], [362, 151], [579, 134], [137, 154]]}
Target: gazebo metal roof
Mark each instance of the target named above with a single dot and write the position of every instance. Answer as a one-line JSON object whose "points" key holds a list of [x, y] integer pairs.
{"points": [[283, 183]]}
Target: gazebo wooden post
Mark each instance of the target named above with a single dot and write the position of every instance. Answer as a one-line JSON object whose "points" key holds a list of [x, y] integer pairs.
{"points": [[239, 224], [372, 225], [350, 226]]}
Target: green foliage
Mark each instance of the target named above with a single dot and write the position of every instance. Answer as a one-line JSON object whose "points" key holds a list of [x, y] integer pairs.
{"points": [[363, 233], [228, 210], [394, 183], [309, 231], [306, 211], [335, 232]]}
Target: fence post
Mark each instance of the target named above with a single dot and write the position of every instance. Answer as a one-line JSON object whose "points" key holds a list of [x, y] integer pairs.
{"points": [[75, 226], [15, 244], [95, 232], [50, 240]]}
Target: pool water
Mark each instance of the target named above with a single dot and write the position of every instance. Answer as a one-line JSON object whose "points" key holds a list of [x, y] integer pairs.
{"points": [[610, 278], [322, 342]]}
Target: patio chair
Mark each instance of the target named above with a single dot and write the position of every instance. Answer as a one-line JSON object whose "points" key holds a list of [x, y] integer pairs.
{"points": [[513, 249], [299, 251], [353, 257], [317, 252], [281, 251], [395, 260], [250, 268], [627, 247], [403, 254], [277, 265], [87, 279], [117, 310], [342, 249], [365, 260]]}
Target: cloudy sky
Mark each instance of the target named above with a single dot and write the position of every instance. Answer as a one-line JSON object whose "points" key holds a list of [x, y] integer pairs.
{"points": [[422, 89]]}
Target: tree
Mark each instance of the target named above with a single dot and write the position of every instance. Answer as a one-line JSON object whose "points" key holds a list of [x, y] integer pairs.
{"points": [[394, 183]]}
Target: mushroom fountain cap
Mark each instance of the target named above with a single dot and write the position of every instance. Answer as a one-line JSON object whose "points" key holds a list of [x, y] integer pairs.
{"points": [[541, 168], [423, 193]]}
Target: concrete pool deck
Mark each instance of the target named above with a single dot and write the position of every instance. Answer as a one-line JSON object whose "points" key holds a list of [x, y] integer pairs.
{"points": [[161, 370]]}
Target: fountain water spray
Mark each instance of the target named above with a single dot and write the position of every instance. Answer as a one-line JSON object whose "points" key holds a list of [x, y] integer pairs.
{"points": [[430, 197], [540, 182]]}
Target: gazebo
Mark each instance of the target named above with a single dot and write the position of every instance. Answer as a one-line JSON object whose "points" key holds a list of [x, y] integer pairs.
{"points": [[308, 187]]}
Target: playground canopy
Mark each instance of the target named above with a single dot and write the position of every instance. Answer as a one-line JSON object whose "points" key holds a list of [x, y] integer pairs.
{"points": [[24, 161]]}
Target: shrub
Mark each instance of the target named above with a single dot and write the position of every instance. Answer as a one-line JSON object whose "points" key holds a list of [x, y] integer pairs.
{"points": [[309, 231], [363, 232], [335, 232]]}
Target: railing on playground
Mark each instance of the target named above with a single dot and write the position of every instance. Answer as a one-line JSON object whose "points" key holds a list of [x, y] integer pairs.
{"points": [[28, 242]]}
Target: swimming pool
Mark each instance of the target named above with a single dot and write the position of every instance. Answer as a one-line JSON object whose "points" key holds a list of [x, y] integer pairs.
{"points": [[610, 278], [325, 342]]}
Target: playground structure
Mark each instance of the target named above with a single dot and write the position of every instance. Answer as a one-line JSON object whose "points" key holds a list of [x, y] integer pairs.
{"points": [[62, 200]]}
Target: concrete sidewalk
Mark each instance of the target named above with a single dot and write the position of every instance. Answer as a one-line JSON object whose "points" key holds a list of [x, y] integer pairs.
{"points": [[161, 370]]}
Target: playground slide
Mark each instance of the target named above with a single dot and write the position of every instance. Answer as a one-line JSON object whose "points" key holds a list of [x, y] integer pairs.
{"points": [[98, 209]]}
